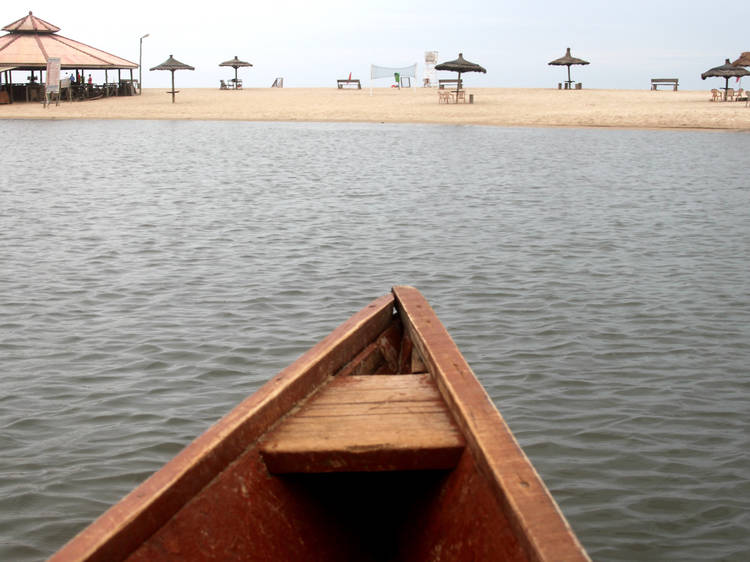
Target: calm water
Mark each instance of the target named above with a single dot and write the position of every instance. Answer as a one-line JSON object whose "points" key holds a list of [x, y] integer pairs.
{"points": [[154, 273]]}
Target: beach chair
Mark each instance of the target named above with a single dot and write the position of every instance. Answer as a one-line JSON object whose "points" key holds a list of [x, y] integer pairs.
{"points": [[223, 85], [740, 94], [730, 94], [715, 95], [444, 96]]}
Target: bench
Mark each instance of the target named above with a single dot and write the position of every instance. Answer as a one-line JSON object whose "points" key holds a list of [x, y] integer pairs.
{"points": [[656, 82], [348, 82], [443, 83], [356, 423]]}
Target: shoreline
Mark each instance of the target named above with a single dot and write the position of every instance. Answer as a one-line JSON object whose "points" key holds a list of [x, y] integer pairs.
{"points": [[504, 107]]}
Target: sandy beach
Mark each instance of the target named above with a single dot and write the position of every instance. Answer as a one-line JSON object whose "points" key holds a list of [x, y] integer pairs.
{"points": [[492, 106]]}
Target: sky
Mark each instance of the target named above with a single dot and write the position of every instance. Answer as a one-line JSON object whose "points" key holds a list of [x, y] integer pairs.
{"points": [[314, 43]]}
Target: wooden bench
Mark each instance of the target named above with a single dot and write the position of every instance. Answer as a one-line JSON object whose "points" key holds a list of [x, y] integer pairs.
{"points": [[349, 82], [443, 83], [656, 82], [368, 422]]}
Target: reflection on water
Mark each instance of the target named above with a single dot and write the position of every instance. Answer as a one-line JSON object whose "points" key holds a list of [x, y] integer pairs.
{"points": [[155, 273]]}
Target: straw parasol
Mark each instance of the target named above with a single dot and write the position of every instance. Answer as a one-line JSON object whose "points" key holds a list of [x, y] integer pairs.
{"points": [[568, 60], [173, 64], [744, 59], [726, 71], [235, 63], [460, 65]]}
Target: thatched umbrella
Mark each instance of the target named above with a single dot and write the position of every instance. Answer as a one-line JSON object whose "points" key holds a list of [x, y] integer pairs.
{"points": [[460, 65], [235, 63], [173, 64], [568, 60], [726, 71], [744, 59]]}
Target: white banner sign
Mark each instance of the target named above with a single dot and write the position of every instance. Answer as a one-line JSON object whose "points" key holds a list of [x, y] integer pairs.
{"points": [[53, 75]]}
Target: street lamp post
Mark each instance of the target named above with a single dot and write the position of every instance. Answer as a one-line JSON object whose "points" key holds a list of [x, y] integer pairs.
{"points": [[140, 61]]}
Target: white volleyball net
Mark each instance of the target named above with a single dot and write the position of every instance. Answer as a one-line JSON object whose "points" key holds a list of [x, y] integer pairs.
{"points": [[395, 73]]}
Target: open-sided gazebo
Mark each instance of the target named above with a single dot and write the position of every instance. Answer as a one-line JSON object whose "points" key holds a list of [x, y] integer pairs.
{"points": [[31, 41]]}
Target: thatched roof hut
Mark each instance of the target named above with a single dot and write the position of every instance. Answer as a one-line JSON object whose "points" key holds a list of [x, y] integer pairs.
{"points": [[172, 64], [460, 65], [726, 71], [235, 63], [568, 60]]}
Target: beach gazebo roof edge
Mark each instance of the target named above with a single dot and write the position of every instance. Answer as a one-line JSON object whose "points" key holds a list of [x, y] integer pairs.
{"points": [[29, 44], [31, 24]]}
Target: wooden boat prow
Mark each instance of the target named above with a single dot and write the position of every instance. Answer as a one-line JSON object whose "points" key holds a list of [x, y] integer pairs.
{"points": [[379, 443]]}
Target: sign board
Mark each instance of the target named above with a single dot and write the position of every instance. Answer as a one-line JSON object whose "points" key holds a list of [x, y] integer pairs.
{"points": [[53, 76]]}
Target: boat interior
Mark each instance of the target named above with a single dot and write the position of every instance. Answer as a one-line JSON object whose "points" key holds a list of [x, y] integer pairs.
{"points": [[377, 444]]}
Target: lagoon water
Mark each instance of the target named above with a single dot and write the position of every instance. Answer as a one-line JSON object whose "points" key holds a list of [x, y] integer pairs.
{"points": [[154, 273]]}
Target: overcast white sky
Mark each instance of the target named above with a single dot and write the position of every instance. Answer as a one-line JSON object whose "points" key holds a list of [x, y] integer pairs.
{"points": [[314, 42]]}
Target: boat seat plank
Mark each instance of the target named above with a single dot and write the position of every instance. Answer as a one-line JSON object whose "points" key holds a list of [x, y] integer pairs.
{"points": [[367, 423]]}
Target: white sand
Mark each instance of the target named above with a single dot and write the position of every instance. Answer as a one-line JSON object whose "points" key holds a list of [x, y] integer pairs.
{"points": [[492, 106]]}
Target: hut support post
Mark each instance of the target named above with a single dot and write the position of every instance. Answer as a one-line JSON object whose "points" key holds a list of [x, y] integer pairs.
{"points": [[173, 86]]}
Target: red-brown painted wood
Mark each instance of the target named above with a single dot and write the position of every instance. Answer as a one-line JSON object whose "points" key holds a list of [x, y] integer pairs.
{"points": [[528, 506], [217, 499], [463, 521], [127, 524]]}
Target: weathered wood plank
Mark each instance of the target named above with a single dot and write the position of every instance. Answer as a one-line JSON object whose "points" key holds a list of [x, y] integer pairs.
{"points": [[379, 388], [368, 361], [389, 344], [532, 512], [372, 422]]}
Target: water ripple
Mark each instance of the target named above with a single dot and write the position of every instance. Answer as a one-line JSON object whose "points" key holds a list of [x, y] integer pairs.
{"points": [[595, 280]]}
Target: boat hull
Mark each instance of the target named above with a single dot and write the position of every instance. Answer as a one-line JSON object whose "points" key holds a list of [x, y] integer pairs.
{"points": [[377, 444]]}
